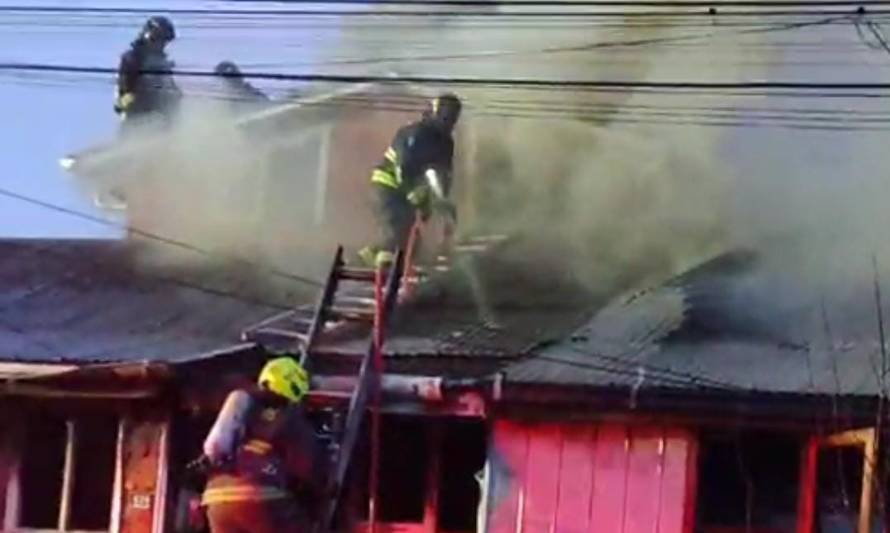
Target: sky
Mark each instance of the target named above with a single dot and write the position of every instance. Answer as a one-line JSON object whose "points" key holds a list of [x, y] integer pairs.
{"points": [[46, 117]]}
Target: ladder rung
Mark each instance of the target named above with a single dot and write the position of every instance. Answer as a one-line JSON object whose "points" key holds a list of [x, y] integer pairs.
{"points": [[346, 313], [304, 322], [357, 300], [358, 274], [290, 334]]}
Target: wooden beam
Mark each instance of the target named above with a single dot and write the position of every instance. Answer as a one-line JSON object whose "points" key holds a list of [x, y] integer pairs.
{"points": [[23, 389], [854, 437], [68, 476], [806, 508], [160, 496], [868, 475], [321, 186], [13, 488], [431, 502], [114, 523]]}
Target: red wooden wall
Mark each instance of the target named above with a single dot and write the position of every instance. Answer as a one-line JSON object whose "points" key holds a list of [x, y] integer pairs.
{"points": [[591, 478], [142, 455]]}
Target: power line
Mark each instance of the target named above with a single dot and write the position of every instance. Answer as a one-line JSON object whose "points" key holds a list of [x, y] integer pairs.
{"points": [[804, 120], [631, 369], [698, 379], [155, 237], [486, 3], [712, 10], [48, 249], [519, 83]]}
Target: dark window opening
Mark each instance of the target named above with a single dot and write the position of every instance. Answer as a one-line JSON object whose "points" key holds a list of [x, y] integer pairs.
{"points": [[404, 460], [42, 472], [839, 489], [748, 480], [409, 492], [463, 456], [90, 444], [95, 455]]}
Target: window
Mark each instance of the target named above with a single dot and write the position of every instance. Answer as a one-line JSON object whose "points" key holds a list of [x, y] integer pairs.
{"points": [[749, 481], [463, 447], [427, 474], [66, 473]]}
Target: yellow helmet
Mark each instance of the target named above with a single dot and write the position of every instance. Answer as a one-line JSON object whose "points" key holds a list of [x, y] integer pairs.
{"points": [[286, 377]]}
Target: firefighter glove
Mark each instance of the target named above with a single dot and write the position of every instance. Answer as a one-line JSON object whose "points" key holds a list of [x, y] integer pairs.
{"points": [[124, 102], [419, 196]]}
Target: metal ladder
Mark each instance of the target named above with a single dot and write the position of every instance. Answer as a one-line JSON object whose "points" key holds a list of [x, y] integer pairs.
{"points": [[334, 308]]}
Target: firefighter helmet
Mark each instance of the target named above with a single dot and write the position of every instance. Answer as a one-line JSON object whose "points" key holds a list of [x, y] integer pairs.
{"points": [[285, 377], [158, 29], [445, 109], [227, 69]]}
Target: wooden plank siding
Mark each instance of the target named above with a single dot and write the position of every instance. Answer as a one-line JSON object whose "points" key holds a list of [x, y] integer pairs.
{"points": [[591, 478]]}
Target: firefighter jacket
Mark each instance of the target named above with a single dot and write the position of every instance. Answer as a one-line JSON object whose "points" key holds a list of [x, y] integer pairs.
{"points": [[241, 96], [145, 82], [415, 149], [278, 453]]}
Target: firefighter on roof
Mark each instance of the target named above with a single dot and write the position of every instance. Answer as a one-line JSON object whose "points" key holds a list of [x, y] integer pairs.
{"points": [[145, 86], [414, 177], [241, 95], [263, 452]]}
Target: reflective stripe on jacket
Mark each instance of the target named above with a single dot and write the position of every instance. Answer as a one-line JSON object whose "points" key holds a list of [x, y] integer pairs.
{"points": [[279, 449]]}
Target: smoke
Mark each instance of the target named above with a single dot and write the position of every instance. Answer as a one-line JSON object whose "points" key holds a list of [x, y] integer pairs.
{"points": [[217, 203], [601, 201], [602, 191]]}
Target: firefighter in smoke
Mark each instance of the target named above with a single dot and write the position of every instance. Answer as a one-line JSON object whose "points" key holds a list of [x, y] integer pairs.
{"points": [[145, 85], [414, 178], [261, 453], [241, 95]]}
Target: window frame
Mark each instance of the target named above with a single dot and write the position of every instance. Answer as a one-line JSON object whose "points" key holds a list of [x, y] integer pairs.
{"points": [[12, 519], [435, 430], [857, 438]]}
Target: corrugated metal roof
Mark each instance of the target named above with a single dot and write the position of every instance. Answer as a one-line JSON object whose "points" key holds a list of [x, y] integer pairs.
{"points": [[709, 328], [87, 301]]}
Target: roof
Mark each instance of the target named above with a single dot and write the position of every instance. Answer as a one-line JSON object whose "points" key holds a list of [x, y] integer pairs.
{"points": [[486, 307], [715, 327], [286, 121], [103, 301]]}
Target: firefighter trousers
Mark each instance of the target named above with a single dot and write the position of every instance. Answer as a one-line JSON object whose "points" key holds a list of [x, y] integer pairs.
{"points": [[271, 516]]}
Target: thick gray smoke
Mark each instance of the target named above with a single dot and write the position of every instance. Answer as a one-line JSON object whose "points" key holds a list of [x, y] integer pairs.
{"points": [[605, 190]]}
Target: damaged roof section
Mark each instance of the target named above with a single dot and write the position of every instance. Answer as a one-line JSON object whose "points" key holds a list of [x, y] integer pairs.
{"points": [[723, 325], [86, 301]]}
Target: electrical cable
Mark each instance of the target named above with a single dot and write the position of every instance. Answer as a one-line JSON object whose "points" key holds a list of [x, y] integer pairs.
{"points": [[157, 238], [713, 10], [514, 83]]}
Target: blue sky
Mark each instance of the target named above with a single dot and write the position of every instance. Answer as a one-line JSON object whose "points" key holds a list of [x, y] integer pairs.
{"points": [[47, 117]]}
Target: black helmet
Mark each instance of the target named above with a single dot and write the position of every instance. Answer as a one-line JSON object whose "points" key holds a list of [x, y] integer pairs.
{"points": [[445, 109], [158, 29], [227, 69]]}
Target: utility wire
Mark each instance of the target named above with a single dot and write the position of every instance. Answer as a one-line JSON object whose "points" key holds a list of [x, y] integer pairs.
{"points": [[158, 238], [586, 47], [690, 377], [498, 3], [818, 120], [519, 83], [631, 370], [712, 11]]}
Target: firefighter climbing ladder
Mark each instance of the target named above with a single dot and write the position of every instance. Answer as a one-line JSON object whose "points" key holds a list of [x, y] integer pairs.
{"points": [[355, 296]]}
